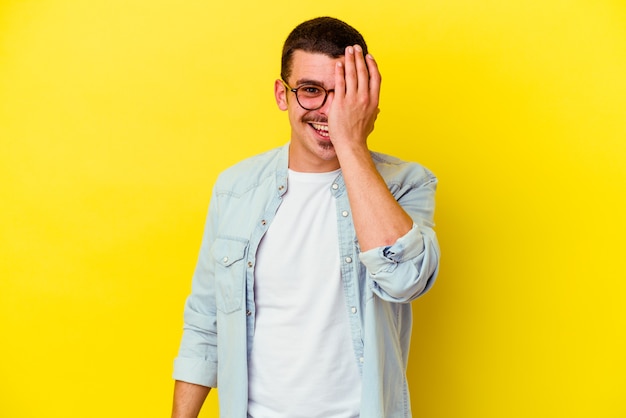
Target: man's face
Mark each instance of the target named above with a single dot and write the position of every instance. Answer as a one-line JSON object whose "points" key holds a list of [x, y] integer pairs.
{"points": [[311, 149]]}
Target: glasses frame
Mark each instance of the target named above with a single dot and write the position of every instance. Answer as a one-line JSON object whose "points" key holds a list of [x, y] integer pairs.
{"points": [[295, 92]]}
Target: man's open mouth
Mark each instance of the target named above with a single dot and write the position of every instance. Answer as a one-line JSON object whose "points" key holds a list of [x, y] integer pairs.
{"points": [[320, 129]]}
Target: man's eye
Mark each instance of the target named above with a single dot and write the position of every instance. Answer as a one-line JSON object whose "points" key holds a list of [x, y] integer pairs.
{"points": [[311, 90]]}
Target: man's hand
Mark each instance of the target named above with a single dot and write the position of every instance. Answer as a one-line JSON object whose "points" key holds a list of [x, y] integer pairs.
{"points": [[355, 105]]}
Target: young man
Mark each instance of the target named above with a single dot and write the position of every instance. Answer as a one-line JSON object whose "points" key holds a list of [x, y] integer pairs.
{"points": [[312, 253]]}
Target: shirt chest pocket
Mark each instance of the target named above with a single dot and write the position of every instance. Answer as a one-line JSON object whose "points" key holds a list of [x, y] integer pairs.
{"points": [[230, 273]]}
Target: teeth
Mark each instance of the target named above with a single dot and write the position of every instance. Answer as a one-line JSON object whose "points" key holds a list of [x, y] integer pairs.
{"points": [[320, 127]]}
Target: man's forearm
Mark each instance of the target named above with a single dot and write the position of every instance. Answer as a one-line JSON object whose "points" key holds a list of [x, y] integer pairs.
{"points": [[188, 399], [378, 218]]}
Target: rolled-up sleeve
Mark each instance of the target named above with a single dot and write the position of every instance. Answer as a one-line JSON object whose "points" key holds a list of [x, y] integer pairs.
{"points": [[408, 268], [197, 356]]}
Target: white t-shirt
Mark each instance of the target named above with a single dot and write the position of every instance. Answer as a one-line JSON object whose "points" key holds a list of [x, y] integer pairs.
{"points": [[302, 364]]}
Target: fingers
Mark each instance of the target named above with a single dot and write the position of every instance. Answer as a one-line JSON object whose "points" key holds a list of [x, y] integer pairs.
{"points": [[360, 73], [350, 71], [355, 69], [374, 76], [340, 80]]}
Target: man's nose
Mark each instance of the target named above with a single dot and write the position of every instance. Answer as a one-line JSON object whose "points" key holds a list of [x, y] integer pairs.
{"points": [[329, 100]]}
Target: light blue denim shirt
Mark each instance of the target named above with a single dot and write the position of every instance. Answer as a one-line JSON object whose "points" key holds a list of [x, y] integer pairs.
{"points": [[379, 284]]}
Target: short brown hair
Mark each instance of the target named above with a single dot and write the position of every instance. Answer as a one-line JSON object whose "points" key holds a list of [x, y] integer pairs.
{"points": [[323, 35]]}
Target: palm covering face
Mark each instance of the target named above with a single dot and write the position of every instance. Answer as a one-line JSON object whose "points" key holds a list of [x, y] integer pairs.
{"points": [[354, 108]]}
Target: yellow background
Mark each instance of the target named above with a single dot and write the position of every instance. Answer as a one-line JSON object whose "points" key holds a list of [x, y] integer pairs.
{"points": [[116, 117]]}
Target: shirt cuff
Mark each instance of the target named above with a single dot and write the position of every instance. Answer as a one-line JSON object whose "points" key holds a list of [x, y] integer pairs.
{"points": [[385, 259], [197, 371]]}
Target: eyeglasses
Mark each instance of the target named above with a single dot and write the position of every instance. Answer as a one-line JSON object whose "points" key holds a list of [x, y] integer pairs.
{"points": [[310, 96]]}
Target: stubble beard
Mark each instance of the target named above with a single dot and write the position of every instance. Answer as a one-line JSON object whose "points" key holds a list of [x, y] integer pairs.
{"points": [[325, 145]]}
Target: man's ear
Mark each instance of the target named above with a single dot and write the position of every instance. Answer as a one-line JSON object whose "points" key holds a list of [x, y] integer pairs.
{"points": [[280, 93]]}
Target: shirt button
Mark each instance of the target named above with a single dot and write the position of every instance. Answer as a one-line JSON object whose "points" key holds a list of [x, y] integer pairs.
{"points": [[248, 313], [225, 260], [353, 309], [344, 213], [250, 264], [361, 359], [263, 222], [348, 259], [335, 186]]}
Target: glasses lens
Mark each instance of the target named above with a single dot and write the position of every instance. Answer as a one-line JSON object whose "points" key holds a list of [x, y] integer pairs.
{"points": [[311, 97]]}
